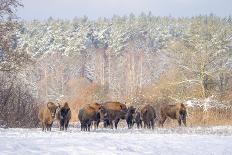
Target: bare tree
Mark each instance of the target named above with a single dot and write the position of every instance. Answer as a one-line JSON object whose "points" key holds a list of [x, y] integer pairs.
{"points": [[203, 53]]}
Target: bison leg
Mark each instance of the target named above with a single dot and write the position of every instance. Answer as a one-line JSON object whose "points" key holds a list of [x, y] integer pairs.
{"points": [[145, 124], [85, 126], [89, 125], [131, 123], [43, 126], [137, 125], [98, 121], [105, 124], [82, 126], [179, 122], [128, 124], [184, 121], [152, 123], [111, 124], [148, 124], [49, 126], [46, 127], [95, 125], [66, 125], [62, 124], [116, 123]]}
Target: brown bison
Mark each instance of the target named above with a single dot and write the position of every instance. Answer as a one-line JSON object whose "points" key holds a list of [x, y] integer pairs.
{"points": [[177, 111], [148, 116], [47, 115], [64, 115], [88, 114], [113, 111]]}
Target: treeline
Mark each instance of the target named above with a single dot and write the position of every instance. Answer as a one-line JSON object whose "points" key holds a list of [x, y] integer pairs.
{"points": [[130, 56]]}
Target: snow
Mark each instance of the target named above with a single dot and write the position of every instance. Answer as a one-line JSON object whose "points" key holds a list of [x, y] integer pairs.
{"points": [[198, 140]]}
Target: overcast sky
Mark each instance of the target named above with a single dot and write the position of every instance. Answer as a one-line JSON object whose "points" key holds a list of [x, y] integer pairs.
{"points": [[68, 9]]}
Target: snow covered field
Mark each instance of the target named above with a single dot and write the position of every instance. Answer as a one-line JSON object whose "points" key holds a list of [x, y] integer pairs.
{"points": [[211, 140]]}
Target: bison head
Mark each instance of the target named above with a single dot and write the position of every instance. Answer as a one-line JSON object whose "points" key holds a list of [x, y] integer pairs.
{"points": [[52, 108], [64, 112]]}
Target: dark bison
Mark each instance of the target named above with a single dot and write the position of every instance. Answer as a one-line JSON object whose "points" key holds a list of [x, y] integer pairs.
{"points": [[138, 119], [64, 115], [148, 116], [47, 115], [89, 114], [130, 117], [112, 112], [177, 111]]}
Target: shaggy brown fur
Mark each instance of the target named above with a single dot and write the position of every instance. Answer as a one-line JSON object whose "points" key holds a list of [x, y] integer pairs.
{"points": [[64, 115], [113, 111], [148, 116], [88, 114], [177, 111], [97, 107], [115, 106], [47, 115]]}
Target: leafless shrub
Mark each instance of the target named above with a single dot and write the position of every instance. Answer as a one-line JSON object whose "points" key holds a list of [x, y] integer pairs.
{"points": [[18, 108]]}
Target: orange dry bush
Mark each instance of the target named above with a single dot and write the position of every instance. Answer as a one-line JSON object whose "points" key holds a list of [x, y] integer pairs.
{"points": [[213, 116], [89, 93], [171, 84]]}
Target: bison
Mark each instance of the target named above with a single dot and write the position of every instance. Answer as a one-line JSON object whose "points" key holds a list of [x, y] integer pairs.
{"points": [[113, 111], [148, 116], [47, 115], [177, 111], [88, 114], [130, 117], [64, 115]]}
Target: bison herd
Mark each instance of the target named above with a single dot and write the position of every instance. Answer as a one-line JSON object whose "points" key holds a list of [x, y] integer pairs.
{"points": [[110, 113]]}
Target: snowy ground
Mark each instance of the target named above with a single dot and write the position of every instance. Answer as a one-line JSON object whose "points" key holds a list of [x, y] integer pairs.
{"points": [[211, 140]]}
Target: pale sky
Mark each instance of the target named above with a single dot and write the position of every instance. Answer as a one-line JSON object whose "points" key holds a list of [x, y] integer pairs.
{"points": [[68, 9]]}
